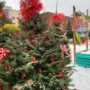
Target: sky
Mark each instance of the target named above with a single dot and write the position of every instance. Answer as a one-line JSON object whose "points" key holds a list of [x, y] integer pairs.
{"points": [[64, 6]]}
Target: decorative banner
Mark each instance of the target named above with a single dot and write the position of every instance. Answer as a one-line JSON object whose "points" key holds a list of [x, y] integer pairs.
{"points": [[81, 26]]}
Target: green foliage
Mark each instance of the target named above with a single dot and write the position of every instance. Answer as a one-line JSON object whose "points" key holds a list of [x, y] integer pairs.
{"points": [[38, 59], [44, 70], [69, 30], [79, 13], [37, 24], [2, 4], [78, 38], [89, 34], [4, 20], [3, 38]]}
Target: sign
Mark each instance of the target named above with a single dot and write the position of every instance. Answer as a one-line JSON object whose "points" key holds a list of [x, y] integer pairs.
{"points": [[81, 29]]}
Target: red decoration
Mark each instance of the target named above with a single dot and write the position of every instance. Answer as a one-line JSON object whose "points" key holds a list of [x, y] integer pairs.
{"points": [[83, 40], [51, 59], [58, 17], [34, 59], [60, 74], [3, 53], [1, 87], [28, 48], [40, 70], [24, 75], [15, 34], [31, 38], [63, 48], [9, 68], [60, 63], [2, 13], [47, 38], [29, 8]]}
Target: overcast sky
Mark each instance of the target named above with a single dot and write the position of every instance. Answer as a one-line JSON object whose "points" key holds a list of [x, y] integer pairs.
{"points": [[64, 6]]}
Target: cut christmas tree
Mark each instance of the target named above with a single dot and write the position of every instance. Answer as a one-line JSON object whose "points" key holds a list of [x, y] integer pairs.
{"points": [[30, 61]]}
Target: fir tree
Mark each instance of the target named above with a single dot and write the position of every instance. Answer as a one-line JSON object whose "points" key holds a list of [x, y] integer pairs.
{"points": [[69, 30], [36, 63], [35, 25], [30, 61]]}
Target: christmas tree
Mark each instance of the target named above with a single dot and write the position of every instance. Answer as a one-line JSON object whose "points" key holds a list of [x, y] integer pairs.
{"points": [[30, 61], [69, 30]]}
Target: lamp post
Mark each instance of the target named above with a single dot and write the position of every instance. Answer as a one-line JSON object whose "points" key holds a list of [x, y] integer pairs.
{"points": [[56, 6]]}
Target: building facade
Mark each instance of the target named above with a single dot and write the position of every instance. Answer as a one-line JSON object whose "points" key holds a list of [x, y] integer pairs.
{"points": [[12, 14]]}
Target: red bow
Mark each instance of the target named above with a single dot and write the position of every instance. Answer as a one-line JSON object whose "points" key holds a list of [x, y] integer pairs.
{"points": [[3, 53], [58, 17], [2, 13], [29, 8]]}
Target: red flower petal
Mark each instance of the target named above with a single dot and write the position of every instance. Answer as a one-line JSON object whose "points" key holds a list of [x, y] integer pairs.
{"points": [[29, 9], [58, 17], [47, 38], [31, 38], [40, 70], [60, 74]]}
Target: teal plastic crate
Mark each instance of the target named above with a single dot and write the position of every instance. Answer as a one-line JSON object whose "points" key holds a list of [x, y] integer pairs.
{"points": [[83, 59]]}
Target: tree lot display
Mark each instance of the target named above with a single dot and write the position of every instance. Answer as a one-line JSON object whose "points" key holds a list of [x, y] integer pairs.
{"points": [[36, 61]]}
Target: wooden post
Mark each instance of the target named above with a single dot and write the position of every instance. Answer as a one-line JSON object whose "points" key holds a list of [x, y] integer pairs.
{"points": [[74, 36], [87, 37]]}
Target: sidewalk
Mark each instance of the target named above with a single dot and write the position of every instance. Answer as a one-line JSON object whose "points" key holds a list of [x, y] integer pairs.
{"points": [[81, 77]]}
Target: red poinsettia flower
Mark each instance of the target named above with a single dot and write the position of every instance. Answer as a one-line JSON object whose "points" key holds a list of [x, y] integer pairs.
{"points": [[29, 8], [58, 17], [3, 53], [40, 70], [63, 48], [1, 87], [60, 74], [15, 34], [31, 38], [47, 38], [24, 75], [51, 59]]}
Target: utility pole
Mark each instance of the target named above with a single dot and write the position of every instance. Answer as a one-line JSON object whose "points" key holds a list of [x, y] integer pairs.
{"points": [[26, 1], [56, 6]]}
